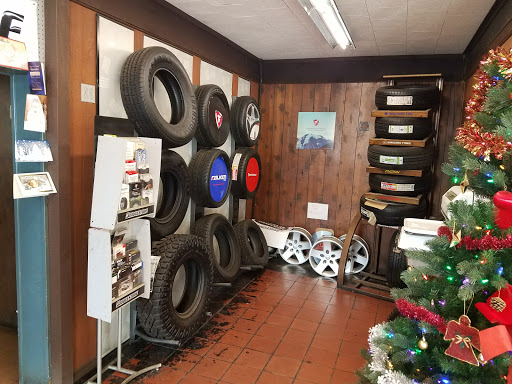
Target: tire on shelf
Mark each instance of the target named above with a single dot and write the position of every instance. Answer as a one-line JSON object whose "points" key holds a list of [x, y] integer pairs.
{"points": [[245, 121], [407, 97], [248, 173], [253, 246], [394, 214], [403, 128], [385, 157], [397, 263], [221, 238], [210, 179], [213, 116], [399, 185], [173, 199], [178, 304], [137, 83]]}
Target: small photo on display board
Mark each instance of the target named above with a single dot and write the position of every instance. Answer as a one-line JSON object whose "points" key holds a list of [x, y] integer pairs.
{"points": [[32, 185], [315, 130]]}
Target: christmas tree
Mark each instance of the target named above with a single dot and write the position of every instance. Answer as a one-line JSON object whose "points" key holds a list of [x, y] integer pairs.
{"points": [[451, 324]]}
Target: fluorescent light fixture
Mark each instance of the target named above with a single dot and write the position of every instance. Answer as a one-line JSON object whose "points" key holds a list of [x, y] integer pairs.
{"points": [[327, 18]]}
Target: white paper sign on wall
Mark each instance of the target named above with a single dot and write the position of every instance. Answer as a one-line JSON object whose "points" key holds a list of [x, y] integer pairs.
{"points": [[318, 211]]}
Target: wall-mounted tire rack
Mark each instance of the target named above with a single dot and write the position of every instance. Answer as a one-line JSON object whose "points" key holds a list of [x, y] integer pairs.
{"points": [[372, 279]]}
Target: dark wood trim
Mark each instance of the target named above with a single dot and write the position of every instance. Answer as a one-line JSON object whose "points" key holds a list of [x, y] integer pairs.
{"points": [[59, 205], [493, 32], [358, 69], [161, 20]]}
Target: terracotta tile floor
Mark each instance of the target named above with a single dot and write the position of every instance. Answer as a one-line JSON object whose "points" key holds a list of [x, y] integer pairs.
{"points": [[8, 356], [281, 328]]}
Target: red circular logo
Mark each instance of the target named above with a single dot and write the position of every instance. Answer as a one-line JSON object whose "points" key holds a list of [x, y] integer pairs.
{"points": [[252, 174]]}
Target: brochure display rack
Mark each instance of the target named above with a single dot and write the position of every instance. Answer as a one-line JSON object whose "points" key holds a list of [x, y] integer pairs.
{"points": [[119, 252]]}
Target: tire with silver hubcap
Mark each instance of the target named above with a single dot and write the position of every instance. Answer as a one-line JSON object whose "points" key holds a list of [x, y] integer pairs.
{"points": [[358, 255]]}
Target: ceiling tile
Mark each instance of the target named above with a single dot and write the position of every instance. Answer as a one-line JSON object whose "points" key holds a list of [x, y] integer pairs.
{"points": [[273, 29]]}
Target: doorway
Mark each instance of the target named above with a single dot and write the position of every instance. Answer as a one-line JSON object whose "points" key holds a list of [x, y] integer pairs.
{"points": [[8, 304]]}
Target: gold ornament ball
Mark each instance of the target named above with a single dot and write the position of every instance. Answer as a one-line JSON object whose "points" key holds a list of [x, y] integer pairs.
{"points": [[423, 344], [390, 365]]}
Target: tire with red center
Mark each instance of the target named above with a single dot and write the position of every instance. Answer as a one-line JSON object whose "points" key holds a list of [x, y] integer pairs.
{"points": [[213, 116], [245, 172]]}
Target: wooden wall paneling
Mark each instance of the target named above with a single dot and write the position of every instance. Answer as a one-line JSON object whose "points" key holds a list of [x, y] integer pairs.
{"points": [[317, 156], [289, 154], [234, 85], [82, 70], [360, 180], [255, 91], [303, 163], [265, 149], [333, 157], [277, 142], [138, 41], [347, 160], [196, 71]]}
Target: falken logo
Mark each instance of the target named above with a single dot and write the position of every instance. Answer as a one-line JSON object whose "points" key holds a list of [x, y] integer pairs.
{"points": [[218, 118], [219, 177], [315, 122]]}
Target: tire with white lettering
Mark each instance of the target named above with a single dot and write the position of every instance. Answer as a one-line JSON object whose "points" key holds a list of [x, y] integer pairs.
{"points": [[138, 75], [397, 263], [395, 213], [253, 246], [410, 97], [402, 128], [245, 172], [210, 177], [399, 185], [221, 238], [177, 307], [382, 156], [213, 116], [245, 121], [172, 202]]}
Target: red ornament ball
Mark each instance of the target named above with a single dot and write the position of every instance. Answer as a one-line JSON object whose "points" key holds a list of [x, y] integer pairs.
{"points": [[503, 202]]}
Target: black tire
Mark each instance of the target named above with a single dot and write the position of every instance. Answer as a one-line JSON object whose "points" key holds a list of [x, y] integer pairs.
{"points": [[403, 128], [245, 129], [394, 214], [399, 185], [224, 248], [253, 246], [385, 157], [423, 97], [210, 179], [213, 116], [248, 173], [172, 208], [137, 76], [397, 263], [158, 315]]}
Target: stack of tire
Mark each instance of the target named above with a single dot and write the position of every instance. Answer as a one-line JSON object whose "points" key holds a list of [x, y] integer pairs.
{"points": [[190, 264], [392, 159]]}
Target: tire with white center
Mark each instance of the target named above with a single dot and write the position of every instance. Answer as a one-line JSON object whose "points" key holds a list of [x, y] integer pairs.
{"points": [[384, 157], [245, 172], [245, 121], [403, 128], [213, 116], [397, 185]]}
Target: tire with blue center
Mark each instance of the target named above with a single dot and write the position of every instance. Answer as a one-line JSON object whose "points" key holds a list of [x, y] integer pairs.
{"points": [[210, 177]]}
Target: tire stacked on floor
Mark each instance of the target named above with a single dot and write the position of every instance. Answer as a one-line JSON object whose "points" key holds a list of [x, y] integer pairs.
{"points": [[393, 159]]}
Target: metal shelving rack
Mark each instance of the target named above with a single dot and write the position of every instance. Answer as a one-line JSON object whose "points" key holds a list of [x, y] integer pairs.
{"points": [[373, 279]]}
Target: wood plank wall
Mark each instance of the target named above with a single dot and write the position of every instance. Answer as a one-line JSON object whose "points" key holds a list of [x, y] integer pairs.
{"points": [[83, 63], [291, 178]]}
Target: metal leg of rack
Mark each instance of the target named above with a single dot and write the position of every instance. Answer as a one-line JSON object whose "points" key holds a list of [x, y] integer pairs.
{"points": [[118, 361]]}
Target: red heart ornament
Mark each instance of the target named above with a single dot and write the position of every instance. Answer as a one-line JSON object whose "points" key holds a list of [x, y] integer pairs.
{"points": [[503, 202]]}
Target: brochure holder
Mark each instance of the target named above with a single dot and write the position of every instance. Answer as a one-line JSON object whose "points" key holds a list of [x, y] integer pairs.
{"points": [[106, 219]]}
